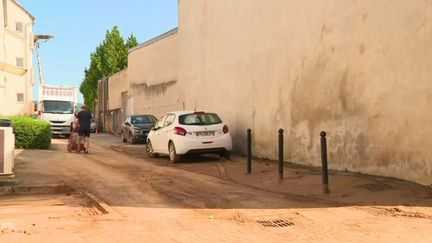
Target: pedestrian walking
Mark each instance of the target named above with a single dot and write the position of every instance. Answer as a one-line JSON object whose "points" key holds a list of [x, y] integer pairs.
{"points": [[84, 120]]}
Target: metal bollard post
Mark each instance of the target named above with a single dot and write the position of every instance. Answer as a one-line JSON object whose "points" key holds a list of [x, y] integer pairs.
{"points": [[281, 155], [324, 162], [249, 151]]}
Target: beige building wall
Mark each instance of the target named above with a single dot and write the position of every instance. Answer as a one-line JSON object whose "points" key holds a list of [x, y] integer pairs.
{"points": [[360, 70], [16, 72], [117, 83], [153, 76]]}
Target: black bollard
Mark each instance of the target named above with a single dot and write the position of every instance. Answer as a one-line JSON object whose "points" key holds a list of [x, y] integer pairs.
{"points": [[281, 155], [324, 162], [249, 151]]}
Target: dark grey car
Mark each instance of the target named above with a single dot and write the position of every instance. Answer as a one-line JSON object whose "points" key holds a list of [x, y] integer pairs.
{"points": [[136, 128]]}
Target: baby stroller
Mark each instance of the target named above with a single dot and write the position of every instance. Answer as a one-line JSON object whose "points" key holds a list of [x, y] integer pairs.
{"points": [[74, 139]]}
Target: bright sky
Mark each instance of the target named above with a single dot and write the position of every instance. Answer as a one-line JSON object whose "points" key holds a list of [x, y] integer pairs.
{"points": [[80, 25]]}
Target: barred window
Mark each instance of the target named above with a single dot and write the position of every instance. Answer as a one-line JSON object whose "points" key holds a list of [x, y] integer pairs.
{"points": [[19, 27], [20, 62], [20, 98]]}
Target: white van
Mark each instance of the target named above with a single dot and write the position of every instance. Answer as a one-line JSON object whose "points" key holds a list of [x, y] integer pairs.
{"points": [[60, 114], [58, 106]]}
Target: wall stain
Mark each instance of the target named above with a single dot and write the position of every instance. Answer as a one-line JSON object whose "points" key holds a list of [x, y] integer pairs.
{"points": [[156, 89], [343, 91], [325, 30], [282, 107], [361, 49], [327, 99], [362, 147]]}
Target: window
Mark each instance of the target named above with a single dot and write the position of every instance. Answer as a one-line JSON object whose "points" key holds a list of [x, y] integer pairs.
{"points": [[19, 27], [200, 119], [160, 123], [58, 107], [3, 86], [20, 62], [5, 10], [169, 120], [20, 98], [143, 119]]}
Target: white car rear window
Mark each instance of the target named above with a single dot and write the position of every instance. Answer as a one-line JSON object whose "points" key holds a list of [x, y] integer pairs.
{"points": [[201, 119]]}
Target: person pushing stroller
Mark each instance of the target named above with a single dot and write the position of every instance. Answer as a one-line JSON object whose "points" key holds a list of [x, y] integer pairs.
{"points": [[74, 138], [84, 120]]}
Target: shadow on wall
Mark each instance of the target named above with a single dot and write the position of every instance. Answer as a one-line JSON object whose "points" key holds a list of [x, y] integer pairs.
{"points": [[152, 90]]}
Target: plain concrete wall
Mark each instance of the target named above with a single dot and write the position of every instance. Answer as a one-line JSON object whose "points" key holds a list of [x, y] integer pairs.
{"points": [[15, 44], [153, 77], [117, 83], [361, 70]]}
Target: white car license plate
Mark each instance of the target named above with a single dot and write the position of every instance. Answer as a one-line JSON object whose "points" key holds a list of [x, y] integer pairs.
{"points": [[205, 133]]}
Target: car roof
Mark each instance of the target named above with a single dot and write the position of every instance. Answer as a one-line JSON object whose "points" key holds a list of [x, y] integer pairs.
{"points": [[141, 115], [179, 113]]}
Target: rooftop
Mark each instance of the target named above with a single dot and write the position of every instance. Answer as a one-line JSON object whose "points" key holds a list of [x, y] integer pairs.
{"points": [[155, 39], [22, 8]]}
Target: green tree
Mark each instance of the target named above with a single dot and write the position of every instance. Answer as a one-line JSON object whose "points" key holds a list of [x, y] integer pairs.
{"points": [[131, 41], [109, 57]]}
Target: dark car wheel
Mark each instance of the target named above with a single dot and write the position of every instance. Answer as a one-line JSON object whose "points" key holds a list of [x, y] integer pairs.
{"points": [[131, 139], [124, 140], [226, 154], [149, 150]]}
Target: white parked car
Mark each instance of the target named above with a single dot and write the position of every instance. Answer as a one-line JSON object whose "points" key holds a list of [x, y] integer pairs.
{"points": [[182, 132]]}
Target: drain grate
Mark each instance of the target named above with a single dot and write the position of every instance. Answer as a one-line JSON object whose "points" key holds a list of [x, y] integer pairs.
{"points": [[275, 223]]}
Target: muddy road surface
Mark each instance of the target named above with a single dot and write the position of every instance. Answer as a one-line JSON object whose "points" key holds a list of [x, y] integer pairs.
{"points": [[122, 175], [203, 199]]}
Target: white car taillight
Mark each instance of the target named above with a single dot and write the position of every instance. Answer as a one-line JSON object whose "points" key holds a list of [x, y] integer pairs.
{"points": [[225, 129], [180, 131]]}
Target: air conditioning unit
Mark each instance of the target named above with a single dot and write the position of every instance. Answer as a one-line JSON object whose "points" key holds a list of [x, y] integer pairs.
{"points": [[7, 151]]}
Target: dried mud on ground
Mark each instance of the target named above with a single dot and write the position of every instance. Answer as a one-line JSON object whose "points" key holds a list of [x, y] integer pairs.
{"points": [[203, 199]]}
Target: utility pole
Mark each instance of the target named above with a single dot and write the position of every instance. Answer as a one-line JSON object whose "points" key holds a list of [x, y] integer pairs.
{"points": [[39, 39], [41, 78]]}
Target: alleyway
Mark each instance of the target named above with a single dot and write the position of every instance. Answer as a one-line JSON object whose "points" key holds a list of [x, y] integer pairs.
{"points": [[204, 199]]}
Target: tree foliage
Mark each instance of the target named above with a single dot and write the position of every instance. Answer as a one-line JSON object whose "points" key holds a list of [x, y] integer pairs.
{"points": [[131, 41], [109, 57]]}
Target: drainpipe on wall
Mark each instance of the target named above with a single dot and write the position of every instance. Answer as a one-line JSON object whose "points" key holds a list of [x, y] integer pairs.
{"points": [[5, 17]]}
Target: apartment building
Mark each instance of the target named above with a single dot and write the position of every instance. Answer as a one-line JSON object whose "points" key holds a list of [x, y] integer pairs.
{"points": [[16, 65]]}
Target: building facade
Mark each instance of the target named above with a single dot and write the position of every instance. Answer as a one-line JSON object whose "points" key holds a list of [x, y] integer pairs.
{"points": [[153, 75], [118, 84], [111, 106], [16, 59], [359, 70]]}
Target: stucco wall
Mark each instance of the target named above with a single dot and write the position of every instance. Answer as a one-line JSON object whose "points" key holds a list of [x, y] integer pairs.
{"points": [[117, 83], [361, 70], [15, 44], [153, 77]]}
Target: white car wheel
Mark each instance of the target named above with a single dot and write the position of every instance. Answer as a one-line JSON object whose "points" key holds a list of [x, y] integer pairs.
{"points": [[173, 156]]}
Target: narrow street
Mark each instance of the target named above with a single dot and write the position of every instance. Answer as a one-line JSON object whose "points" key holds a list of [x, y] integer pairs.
{"points": [[203, 199], [317, 114]]}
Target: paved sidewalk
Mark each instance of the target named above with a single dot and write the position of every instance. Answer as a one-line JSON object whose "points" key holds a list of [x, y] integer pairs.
{"points": [[305, 183]]}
